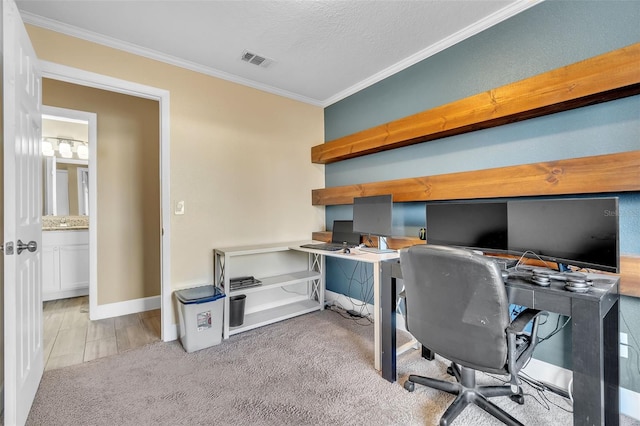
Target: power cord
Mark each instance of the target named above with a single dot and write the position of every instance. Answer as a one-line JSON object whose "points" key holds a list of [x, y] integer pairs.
{"points": [[366, 288], [540, 389], [556, 330], [633, 338], [521, 260], [350, 315]]}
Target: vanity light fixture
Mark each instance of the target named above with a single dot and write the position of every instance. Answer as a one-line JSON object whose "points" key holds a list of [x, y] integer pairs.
{"points": [[65, 150], [83, 152], [47, 149]]}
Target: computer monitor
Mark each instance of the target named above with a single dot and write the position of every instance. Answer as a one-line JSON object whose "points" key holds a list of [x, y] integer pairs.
{"points": [[578, 231], [342, 233], [475, 225], [373, 215]]}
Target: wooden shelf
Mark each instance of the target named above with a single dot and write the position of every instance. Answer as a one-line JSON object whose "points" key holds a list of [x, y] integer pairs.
{"points": [[395, 243], [603, 78], [630, 275], [596, 174]]}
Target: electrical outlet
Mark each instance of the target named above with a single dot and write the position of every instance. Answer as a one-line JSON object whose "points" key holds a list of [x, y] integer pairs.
{"points": [[179, 207], [624, 339], [624, 348], [624, 351]]}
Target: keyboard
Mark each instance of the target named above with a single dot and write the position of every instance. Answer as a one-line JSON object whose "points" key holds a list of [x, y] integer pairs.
{"points": [[328, 246]]}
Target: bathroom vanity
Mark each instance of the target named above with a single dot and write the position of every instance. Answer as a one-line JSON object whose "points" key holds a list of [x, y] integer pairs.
{"points": [[65, 261]]}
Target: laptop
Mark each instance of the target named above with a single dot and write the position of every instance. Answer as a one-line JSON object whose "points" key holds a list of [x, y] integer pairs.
{"points": [[342, 237]]}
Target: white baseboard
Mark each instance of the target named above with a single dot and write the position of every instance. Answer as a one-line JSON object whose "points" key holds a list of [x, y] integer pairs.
{"points": [[65, 294], [348, 303], [170, 333], [549, 374], [561, 378], [630, 403], [134, 306]]}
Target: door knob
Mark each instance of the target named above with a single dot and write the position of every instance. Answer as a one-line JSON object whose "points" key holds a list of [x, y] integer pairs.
{"points": [[32, 246]]}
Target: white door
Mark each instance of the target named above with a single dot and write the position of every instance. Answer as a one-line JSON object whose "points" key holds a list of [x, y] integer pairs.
{"points": [[83, 191], [23, 355]]}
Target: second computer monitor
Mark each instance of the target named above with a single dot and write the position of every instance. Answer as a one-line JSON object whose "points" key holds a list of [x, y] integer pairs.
{"points": [[373, 215]]}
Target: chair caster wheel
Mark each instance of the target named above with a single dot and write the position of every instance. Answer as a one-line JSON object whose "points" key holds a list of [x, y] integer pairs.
{"points": [[517, 398], [410, 386], [450, 371]]}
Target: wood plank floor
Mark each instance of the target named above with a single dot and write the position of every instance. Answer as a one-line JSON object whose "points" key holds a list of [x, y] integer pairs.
{"points": [[71, 338]]}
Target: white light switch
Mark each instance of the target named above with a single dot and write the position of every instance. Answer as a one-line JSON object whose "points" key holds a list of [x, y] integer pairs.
{"points": [[179, 207]]}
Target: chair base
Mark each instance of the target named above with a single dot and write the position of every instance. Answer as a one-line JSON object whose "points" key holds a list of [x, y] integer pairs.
{"points": [[468, 393]]}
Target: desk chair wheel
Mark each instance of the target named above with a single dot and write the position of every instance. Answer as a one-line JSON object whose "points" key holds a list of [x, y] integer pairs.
{"points": [[450, 370], [519, 398], [410, 386]]}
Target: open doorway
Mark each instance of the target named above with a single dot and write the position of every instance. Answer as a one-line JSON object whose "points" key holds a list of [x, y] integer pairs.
{"points": [[68, 137], [127, 299], [70, 147], [117, 184]]}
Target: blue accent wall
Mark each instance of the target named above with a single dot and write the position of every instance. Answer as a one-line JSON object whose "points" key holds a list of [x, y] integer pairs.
{"points": [[547, 36]]}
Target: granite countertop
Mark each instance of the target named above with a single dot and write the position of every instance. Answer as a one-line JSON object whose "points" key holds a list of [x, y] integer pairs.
{"points": [[63, 228], [64, 223]]}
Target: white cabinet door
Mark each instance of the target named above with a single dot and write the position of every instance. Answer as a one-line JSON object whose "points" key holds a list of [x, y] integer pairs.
{"points": [[74, 266], [50, 282], [65, 270]]}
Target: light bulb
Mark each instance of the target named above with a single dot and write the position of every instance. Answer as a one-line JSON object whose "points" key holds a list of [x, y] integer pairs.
{"points": [[83, 152], [65, 150], [47, 149]]}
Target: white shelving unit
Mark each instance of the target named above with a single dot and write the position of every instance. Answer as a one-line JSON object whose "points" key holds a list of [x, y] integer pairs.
{"points": [[292, 283]]}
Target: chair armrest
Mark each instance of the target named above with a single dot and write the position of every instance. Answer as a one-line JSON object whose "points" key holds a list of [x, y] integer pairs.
{"points": [[519, 323], [520, 353]]}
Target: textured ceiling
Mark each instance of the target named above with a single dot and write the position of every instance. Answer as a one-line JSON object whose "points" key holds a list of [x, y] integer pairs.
{"points": [[322, 51]]}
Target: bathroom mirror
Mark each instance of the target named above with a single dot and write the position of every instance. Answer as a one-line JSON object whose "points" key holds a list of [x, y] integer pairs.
{"points": [[65, 163]]}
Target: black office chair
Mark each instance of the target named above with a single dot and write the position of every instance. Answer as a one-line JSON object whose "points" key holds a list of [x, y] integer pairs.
{"points": [[457, 306]]}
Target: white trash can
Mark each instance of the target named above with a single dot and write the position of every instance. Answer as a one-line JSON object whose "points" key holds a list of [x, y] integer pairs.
{"points": [[201, 316]]}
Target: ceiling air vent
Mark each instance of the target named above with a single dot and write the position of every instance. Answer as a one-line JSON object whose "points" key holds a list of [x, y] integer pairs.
{"points": [[254, 59]]}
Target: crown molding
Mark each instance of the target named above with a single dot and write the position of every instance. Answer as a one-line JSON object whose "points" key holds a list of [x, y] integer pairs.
{"points": [[497, 17], [477, 27], [113, 43]]}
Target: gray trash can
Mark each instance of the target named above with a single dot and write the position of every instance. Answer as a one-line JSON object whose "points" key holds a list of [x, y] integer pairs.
{"points": [[236, 310], [200, 314]]}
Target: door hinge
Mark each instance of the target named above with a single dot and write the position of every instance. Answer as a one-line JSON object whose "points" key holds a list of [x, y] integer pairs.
{"points": [[7, 248]]}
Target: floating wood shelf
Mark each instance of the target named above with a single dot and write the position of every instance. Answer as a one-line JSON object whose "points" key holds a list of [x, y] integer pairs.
{"points": [[601, 173], [606, 77]]}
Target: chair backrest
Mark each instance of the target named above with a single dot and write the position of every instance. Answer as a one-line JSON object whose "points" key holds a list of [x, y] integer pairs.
{"points": [[457, 305]]}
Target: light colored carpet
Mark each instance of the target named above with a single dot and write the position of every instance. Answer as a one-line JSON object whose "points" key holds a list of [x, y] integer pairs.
{"points": [[316, 369]]}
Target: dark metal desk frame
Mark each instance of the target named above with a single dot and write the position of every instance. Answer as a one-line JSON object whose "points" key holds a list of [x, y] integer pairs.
{"points": [[595, 332]]}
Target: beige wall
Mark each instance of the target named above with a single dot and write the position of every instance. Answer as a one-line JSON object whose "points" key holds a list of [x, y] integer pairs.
{"points": [[128, 187], [240, 157]]}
